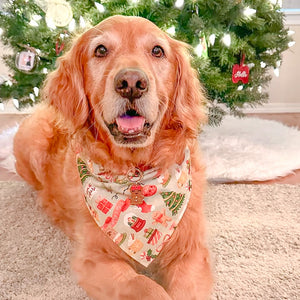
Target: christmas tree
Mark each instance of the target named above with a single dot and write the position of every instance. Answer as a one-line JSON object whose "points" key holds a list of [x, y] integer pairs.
{"points": [[228, 38]]}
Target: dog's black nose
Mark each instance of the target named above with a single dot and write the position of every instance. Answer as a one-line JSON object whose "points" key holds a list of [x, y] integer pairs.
{"points": [[131, 83]]}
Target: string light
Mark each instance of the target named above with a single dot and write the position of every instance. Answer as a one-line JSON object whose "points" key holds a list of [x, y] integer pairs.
{"points": [[199, 49], [36, 91], [179, 3], [36, 17], [100, 7], [249, 12], [50, 23], [171, 30], [290, 32], [276, 2], [276, 72], [226, 39], [240, 87], [291, 44], [8, 83], [31, 96], [263, 64], [72, 25], [82, 23], [45, 71], [33, 23], [16, 102], [212, 39]]}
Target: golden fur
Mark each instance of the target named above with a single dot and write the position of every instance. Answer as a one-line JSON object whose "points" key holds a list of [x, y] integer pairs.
{"points": [[79, 97]]}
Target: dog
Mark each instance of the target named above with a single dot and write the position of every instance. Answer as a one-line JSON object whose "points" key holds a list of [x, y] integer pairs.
{"points": [[124, 106]]}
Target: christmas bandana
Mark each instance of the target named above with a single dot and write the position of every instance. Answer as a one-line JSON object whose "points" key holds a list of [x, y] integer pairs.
{"points": [[141, 230]]}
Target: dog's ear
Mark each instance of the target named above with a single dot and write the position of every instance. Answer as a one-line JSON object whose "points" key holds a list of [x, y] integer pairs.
{"points": [[64, 87], [189, 97]]}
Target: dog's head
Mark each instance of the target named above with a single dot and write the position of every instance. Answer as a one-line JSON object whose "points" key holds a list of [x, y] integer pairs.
{"points": [[129, 81]]}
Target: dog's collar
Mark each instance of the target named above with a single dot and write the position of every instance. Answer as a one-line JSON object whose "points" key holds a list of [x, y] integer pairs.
{"points": [[140, 230]]}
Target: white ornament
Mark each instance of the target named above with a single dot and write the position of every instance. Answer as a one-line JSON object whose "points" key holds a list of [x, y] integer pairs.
{"points": [[212, 39], [45, 71], [291, 32], [179, 3], [100, 7], [226, 39], [251, 65], [259, 89], [240, 87], [171, 30], [60, 12]]}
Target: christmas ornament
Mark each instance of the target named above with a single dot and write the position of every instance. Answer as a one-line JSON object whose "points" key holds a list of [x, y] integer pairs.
{"points": [[201, 49], [59, 46], [27, 60], [240, 72], [59, 12]]}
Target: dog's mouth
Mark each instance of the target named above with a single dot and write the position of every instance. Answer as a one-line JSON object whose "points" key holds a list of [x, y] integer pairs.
{"points": [[130, 128]]}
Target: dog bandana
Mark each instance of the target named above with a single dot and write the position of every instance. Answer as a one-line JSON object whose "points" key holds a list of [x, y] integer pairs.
{"points": [[138, 211]]}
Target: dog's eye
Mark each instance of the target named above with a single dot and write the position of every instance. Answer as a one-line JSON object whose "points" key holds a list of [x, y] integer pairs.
{"points": [[101, 51], [158, 51]]}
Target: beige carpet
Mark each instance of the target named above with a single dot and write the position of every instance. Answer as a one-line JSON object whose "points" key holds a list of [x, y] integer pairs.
{"points": [[254, 233]]}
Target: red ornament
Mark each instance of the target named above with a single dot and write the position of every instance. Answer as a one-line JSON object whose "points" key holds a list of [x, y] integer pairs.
{"points": [[59, 46], [240, 72]]}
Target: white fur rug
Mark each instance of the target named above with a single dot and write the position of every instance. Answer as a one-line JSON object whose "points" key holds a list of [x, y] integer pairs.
{"points": [[246, 149], [250, 149]]}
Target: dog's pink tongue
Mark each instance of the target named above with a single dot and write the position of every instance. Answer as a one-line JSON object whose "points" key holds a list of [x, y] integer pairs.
{"points": [[130, 124]]}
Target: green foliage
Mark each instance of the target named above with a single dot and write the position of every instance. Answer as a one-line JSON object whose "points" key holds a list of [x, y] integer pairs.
{"points": [[261, 37]]}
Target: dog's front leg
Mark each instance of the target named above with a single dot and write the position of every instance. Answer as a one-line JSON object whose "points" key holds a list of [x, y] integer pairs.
{"points": [[189, 278], [108, 279]]}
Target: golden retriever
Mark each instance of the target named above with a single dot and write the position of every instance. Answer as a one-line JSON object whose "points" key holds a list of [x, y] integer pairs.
{"points": [[125, 96]]}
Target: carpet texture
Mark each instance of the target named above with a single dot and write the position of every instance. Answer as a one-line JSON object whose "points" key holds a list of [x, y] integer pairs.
{"points": [[254, 233]]}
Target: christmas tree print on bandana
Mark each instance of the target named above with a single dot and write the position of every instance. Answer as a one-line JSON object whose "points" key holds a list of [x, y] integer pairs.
{"points": [[141, 230]]}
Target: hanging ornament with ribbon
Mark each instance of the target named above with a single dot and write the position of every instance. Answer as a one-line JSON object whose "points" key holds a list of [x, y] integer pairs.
{"points": [[59, 46], [240, 72], [27, 60]]}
